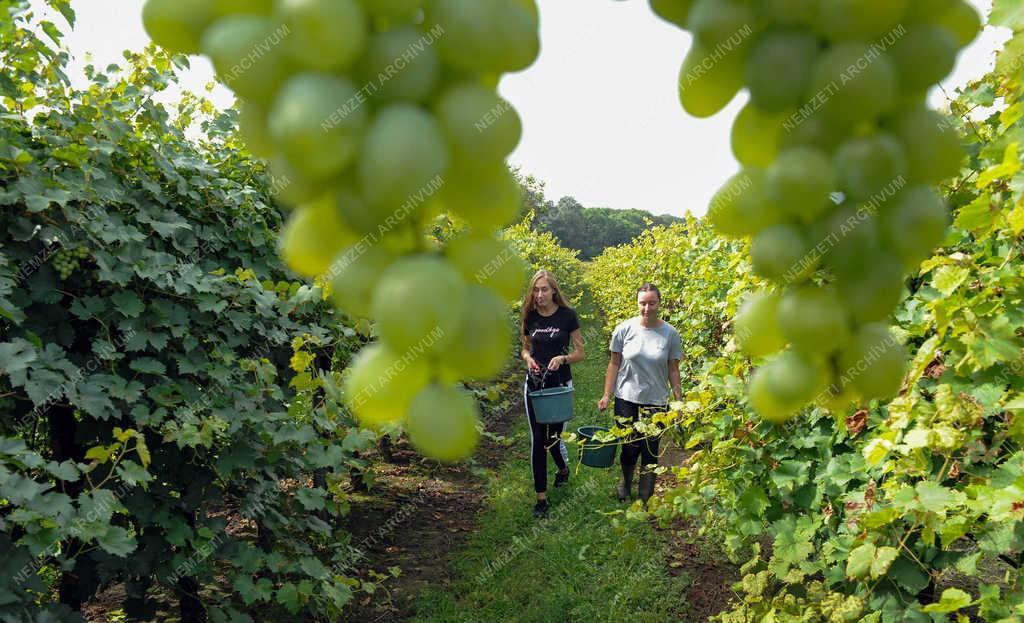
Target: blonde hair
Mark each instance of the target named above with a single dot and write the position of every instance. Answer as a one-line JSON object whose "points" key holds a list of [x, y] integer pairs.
{"points": [[529, 304]]}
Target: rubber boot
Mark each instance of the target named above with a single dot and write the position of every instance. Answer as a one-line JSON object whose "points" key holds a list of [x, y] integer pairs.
{"points": [[625, 487], [645, 487]]}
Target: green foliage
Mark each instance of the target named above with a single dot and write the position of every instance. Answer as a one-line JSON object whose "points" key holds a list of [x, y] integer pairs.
{"points": [[159, 393]]}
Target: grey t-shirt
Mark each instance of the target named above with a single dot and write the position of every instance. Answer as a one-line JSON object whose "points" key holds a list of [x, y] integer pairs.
{"points": [[643, 375]]}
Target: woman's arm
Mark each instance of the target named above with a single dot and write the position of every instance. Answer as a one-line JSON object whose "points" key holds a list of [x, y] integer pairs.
{"points": [[614, 362], [578, 352], [673, 378], [526, 355]]}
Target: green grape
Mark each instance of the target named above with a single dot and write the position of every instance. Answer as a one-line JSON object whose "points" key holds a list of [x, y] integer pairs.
{"points": [[914, 224], [961, 19], [478, 123], [324, 35], [289, 184], [931, 144], [854, 81], [317, 123], [849, 238], [924, 56], [487, 36], [224, 8], [709, 79], [716, 22], [837, 399], [873, 363], [781, 253], [813, 320], [789, 12], [355, 214], [392, 10], [394, 231], [755, 136], [177, 25], [246, 51], [401, 65], [487, 199], [674, 11], [872, 293], [442, 423], [801, 181], [787, 382], [252, 127], [741, 208], [757, 325], [312, 237], [812, 130], [492, 263], [859, 19], [870, 164], [518, 44], [921, 10], [404, 157], [481, 345], [354, 274], [779, 68], [382, 383], [419, 304]]}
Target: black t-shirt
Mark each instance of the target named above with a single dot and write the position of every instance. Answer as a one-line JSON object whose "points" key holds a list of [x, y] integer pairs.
{"points": [[549, 338]]}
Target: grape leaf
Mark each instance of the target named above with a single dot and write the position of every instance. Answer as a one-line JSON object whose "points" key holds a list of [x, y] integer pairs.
{"points": [[948, 278], [16, 355], [117, 541], [934, 497], [1008, 13], [859, 562], [148, 365], [952, 599], [883, 559], [128, 303]]}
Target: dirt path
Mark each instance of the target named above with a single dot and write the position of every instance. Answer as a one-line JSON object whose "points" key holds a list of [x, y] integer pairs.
{"points": [[416, 515], [711, 573]]}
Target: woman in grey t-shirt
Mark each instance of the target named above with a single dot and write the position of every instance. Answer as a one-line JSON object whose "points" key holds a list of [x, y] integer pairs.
{"points": [[645, 353]]}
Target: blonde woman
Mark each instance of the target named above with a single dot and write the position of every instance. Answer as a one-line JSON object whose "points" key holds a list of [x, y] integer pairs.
{"points": [[549, 326]]}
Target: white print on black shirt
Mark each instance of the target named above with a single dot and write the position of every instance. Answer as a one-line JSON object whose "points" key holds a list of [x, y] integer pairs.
{"points": [[551, 331]]}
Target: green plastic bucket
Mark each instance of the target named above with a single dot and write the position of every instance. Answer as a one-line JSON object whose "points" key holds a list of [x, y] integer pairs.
{"points": [[596, 453], [552, 405]]}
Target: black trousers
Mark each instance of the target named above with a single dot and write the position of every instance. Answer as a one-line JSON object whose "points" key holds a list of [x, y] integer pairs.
{"points": [[646, 449], [543, 440]]}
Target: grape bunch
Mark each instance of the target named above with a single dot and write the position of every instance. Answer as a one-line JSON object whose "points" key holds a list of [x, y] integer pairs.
{"points": [[377, 117], [840, 157], [67, 261]]}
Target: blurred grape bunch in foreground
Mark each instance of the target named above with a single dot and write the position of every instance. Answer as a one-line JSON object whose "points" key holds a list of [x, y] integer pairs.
{"points": [[377, 116]]}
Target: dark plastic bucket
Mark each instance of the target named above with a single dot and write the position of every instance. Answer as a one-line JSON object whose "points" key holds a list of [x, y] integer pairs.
{"points": [[552, 405], [596, 453]]}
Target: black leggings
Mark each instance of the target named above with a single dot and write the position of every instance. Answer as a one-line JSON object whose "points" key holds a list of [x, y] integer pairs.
{"points": [[544, 437], [645, 449]]}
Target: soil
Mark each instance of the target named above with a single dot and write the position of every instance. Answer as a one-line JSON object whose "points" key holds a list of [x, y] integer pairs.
{"points": [[711, 573], [417, 513]]}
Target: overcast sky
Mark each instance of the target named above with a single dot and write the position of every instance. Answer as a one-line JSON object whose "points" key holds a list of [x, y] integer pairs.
{"points": [[601, 118]]}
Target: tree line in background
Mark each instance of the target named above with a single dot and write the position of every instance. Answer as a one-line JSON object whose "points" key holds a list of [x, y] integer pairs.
{"points": [[588, 230]]}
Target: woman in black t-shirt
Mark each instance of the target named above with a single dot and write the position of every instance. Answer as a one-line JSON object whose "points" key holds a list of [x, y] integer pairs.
{"points": [[549, 325]]}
